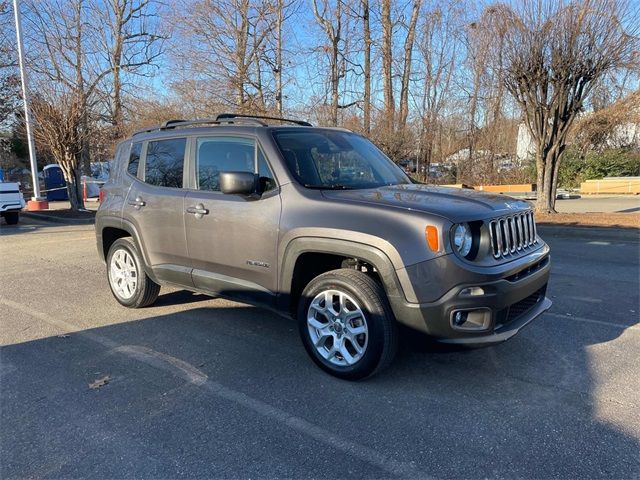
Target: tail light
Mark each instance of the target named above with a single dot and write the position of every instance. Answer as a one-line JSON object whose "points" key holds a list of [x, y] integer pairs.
{"points": [[102, 195]]}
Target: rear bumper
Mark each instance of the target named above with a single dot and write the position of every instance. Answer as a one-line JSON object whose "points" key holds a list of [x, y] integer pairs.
{"points": [[512, 301]]}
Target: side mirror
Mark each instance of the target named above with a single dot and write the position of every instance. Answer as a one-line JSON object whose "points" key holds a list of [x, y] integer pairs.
{"points": [[237, 182]]}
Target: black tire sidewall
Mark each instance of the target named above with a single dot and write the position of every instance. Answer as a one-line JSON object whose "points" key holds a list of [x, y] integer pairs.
{"points": [[11, 218], [129, 246], [376, 317]]}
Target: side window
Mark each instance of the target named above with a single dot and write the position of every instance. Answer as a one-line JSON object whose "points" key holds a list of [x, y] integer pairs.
{"points": [[222, 154], [164, 162], [134, 159], [267, 181]]}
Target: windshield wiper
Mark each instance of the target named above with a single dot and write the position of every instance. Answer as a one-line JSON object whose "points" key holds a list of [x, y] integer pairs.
{"points": [[328, 187]]}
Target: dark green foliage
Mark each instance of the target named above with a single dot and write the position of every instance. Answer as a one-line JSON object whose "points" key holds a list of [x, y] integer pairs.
{"points": [[576, 168]]}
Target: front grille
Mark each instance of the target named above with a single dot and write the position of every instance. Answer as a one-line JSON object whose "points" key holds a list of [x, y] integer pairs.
{"points": [[515, 311], [513, 234]]}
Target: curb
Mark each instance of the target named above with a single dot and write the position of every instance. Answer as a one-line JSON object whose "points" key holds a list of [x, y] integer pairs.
{"points": [[43, 217], [605, 233]]}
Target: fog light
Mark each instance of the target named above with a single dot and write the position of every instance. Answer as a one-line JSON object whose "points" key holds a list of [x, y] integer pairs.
{"points": [[479, 319], [459, 318], [471, 292]]}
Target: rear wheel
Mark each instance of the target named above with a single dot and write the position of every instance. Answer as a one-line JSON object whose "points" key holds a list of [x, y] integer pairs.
{"points": [[11, 217], [129, 283], [346, 324]]}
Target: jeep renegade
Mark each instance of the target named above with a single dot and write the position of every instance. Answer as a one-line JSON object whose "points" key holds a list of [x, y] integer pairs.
{"points": [[319, 224]]}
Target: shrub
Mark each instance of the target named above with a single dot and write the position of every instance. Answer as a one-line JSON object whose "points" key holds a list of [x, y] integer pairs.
{"points": [[575, 168]]}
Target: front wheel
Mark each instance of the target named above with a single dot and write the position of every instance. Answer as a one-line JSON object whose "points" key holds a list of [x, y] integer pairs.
{"points": [[346, 324], [129, 283]]}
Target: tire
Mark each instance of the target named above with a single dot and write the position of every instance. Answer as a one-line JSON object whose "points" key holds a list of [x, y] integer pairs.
{"points": [[138, 293], [11, 217], [366, 306]]}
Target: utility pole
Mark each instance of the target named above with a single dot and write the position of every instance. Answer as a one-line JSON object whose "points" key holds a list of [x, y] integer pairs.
{"points": [[37, 202]]}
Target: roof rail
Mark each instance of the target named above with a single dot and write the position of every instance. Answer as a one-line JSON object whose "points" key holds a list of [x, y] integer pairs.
{"points": [[230, 116], [223, 118]]}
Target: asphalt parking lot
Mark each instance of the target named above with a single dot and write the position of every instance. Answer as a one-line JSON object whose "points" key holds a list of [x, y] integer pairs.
{"points": [[201, 387]]}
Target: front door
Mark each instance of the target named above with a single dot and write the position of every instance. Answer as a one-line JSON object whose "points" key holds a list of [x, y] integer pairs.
{"points": [[232, 239], [155, 206]]}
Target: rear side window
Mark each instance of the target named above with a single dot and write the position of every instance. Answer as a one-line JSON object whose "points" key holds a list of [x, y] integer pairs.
{"points": [[134, 159], [164, 162]]}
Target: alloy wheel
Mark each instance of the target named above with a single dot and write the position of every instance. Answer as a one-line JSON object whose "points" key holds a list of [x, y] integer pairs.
{"points": [[123, 274], [337, 327]]}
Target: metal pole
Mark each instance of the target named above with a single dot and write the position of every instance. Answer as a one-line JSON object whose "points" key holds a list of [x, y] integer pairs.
{"points": [[27, 115]]}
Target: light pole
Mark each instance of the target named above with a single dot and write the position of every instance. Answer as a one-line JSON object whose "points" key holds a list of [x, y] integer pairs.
{"points": [[37, 202]]}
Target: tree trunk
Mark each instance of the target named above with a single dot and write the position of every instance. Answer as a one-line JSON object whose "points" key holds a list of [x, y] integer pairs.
{"points": [[280, 14], [72, 177], [335, 78], [545, 202], [387, 61], [241, 55], [406, 70], [367, 67], [117, 119]]}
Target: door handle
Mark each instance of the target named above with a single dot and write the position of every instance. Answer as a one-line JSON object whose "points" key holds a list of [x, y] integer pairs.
{"points": [[138, 203], [199, 211]]}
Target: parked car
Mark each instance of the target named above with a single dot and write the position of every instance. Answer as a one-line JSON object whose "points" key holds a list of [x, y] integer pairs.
{"points": [[317, 224], [11, 202]]}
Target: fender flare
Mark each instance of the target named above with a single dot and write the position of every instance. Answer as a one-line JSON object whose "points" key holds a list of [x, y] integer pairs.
{"points": [[122, 224], [372, 255]]}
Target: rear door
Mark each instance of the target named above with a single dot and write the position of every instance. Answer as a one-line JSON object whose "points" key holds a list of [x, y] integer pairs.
{"points": [[155, 206], [232, 239]]}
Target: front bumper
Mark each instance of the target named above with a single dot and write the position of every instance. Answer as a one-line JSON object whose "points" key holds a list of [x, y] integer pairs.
{"points": [[513, 300], [11, 206]]}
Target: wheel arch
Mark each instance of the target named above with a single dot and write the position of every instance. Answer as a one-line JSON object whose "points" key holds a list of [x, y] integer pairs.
{"points": [[111, 229], [332, 252]]}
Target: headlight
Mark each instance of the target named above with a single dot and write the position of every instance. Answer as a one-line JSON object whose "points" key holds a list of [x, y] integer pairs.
{"points": [[463, 239]]}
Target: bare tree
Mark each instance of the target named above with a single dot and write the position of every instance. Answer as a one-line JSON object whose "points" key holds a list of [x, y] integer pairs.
{"points": [[331, 23], [221, 46], [59, 132], [130, 42], [554, 53], [9, 79], [438, 46], [62, 37], [387, 66], [278, 66], [485, 39], [609, 127], [367, 66], [403, 112], [80, 55]]}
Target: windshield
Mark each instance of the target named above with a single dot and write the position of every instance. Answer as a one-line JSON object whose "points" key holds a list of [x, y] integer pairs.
{"points": [[330, 159]]}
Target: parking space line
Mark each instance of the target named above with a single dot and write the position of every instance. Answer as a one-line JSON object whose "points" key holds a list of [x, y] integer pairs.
{"points": [[194, 376], [634, 328]]}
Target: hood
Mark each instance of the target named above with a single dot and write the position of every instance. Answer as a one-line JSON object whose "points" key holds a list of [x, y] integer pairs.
{"points": [[9, 187], [455, 204]]}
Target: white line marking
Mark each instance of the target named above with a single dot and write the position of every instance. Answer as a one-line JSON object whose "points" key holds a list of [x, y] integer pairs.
{"points": [[634, 328], [584, 299], [162, 361], [191, 374]]}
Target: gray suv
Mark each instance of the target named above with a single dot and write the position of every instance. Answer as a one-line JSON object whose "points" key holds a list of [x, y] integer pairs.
{"points": [[317, 224]]}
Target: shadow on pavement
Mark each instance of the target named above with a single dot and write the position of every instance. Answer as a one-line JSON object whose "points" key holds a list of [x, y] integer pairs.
{"points": [[258, 407]]}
